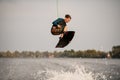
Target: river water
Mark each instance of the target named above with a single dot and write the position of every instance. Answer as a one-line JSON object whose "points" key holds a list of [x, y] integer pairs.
{"points": [[59, 69]]}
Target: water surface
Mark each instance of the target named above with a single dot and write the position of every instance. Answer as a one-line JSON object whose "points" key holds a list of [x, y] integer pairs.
{"points": [[59, 69]]}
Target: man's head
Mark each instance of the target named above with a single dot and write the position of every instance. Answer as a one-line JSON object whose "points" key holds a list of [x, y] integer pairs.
{"points": [[67, 18]]}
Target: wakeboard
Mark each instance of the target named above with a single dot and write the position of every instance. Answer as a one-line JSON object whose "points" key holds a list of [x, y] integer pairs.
{"points": [[68, 36]]}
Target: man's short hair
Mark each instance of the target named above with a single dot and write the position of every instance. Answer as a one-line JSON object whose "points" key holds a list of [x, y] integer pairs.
{"points": [[67, 16]]}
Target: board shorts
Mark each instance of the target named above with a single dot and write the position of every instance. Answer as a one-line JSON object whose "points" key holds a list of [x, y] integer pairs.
{"points": [[55, 30]]}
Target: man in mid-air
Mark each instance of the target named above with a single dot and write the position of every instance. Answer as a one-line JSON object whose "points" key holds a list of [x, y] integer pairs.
{"points": [[60, 26]]}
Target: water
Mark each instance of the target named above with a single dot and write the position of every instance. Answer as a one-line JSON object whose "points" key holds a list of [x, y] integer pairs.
{"points": [[59, 69]]}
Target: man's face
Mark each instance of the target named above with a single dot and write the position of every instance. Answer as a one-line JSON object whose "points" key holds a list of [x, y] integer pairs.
{"points": [[67, 20]]}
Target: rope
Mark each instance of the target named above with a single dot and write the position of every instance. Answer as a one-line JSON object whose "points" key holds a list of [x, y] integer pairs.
{"points": [[57, 9]]}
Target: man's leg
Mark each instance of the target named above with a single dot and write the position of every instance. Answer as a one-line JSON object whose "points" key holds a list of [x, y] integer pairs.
{"points": [[55, 30]]}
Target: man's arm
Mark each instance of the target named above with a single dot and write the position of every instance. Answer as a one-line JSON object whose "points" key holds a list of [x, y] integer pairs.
{"points": [[65, 29]]}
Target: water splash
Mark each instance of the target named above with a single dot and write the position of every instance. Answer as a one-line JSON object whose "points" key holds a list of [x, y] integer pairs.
{"points": [[74, 73], [78, 74]]}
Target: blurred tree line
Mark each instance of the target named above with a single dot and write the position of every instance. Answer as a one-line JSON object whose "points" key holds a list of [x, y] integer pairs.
{"points": [[115, 53]]}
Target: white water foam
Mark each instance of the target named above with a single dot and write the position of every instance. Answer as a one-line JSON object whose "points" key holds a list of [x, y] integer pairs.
{"points": [[78, 73]]}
